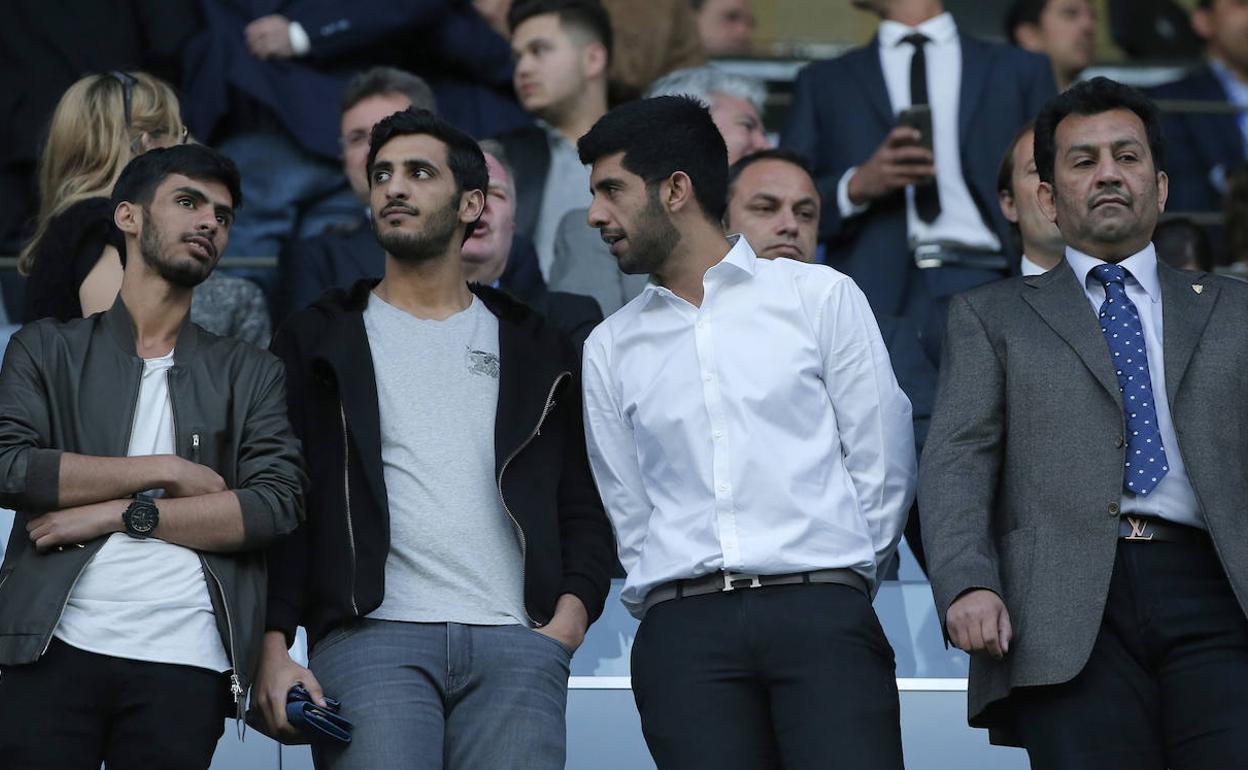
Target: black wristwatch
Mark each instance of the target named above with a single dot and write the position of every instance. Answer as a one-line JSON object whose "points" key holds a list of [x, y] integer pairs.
{"points": [[141, 517]]}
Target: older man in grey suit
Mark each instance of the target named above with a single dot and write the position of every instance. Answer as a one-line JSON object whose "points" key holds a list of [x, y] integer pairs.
{"points": [[1087, 543]]}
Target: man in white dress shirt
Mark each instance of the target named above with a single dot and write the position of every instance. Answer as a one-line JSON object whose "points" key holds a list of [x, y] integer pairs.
{"points": [[1017, 184], [755, 455]]}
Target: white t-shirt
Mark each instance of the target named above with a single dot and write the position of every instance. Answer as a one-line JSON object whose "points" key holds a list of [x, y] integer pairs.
{"points": [[146, 599]]}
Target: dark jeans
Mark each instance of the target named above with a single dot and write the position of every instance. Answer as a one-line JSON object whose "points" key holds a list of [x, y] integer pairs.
{"points": [[72, 710], [799, 677], [1167, 683]]}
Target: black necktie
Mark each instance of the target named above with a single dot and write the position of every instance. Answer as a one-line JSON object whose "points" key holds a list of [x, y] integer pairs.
{"points": [[926, 196]]}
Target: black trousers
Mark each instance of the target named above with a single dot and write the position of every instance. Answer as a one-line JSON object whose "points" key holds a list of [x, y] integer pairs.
{"points": [[72, 710], [1167, 682], [796, 677]]}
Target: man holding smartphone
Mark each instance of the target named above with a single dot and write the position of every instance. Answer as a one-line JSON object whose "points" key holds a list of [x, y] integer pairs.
{"points": [[908, 209]]}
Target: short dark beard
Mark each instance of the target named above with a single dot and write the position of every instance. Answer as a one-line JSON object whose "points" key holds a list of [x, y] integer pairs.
{"points": [[429, 244], [652, 239], [184, 275]]}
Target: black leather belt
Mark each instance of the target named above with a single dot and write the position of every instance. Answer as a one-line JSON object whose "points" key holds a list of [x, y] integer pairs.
{"points": [[720, 582], [1150, 529], [930, 255]]}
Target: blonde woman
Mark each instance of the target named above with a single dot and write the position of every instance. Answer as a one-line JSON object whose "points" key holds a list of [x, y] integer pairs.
{"points": [[73, 263]]}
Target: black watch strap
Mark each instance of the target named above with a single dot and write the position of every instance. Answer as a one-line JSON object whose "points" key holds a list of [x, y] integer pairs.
{"points": [[141, 516]]}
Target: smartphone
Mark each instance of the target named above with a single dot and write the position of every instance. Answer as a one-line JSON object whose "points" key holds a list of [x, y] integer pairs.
{"points": [[918, 117]]}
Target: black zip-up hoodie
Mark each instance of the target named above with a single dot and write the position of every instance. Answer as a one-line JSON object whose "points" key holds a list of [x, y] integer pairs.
{"points": [[332, 569]]}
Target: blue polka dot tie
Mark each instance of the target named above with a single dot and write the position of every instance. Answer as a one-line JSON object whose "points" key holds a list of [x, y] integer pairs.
{"points": [[1120, 322]]}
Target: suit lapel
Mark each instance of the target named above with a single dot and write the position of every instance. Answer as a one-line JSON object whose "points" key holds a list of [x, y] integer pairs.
{"points": [[869, 74], [1061, 302], [1185, 313], [975, 66]]}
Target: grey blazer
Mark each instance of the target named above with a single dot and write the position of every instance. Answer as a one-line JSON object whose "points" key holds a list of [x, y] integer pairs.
{"points": [[1022, 473], [583, 265]]}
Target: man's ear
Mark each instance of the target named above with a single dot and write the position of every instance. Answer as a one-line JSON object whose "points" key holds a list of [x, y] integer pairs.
{"points": [[1163, 191], [1047, 199], [471, 205], [128, 217], [594, 59], [1009, 207], [677, 192], [1202, 23], [1028, 37]]}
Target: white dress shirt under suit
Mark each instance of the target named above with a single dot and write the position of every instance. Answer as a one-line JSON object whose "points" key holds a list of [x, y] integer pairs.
{"points": [[960, 221], [763, 432], [1173, 497]]}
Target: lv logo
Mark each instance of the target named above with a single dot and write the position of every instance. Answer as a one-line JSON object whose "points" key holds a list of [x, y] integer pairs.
{"points": [[1139, 527]]}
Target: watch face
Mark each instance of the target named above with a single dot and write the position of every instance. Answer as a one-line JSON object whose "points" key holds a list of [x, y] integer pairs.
{"points": [[142, 518]]}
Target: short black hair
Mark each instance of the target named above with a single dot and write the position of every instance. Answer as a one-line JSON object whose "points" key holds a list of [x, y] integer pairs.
{"points": [[663, 135], [1023, 12], [586, 16], [1005, 172], [144, 173], [1093, 97], [776, 153], [1179, 239]]}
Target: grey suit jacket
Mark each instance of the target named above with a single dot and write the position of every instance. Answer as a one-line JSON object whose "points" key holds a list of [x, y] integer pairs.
{"points": [[1022, 473], [583, 265]]}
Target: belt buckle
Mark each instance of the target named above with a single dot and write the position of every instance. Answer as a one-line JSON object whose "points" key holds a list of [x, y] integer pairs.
{"points": [[732, 578], [1139, 528], [928, 255]]}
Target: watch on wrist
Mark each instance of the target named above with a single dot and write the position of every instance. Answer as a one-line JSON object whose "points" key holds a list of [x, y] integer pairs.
{"points": [[141, 517]]}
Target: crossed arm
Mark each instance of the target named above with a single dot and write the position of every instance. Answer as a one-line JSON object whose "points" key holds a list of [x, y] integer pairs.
{"points": [[198, 512], [72, 498]]}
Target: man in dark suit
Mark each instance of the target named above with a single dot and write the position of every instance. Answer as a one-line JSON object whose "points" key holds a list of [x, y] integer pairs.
{"points": [[258, 74], [908, 238], [1205, 147], [1082, 483], [562, 50]]}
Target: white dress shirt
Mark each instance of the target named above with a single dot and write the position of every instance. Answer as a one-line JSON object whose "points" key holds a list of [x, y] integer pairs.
{"points": [[960, 221], [1172, 498], [763, 432], [1027, 267]]}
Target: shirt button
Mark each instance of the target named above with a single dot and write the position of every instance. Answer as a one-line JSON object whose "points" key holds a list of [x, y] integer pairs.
{"points": [[723, 487], [1113, 509], [706, 376], [718, 434]]}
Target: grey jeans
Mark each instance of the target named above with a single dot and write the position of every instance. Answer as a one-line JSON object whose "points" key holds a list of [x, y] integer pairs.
{"points": [[428, 696]]}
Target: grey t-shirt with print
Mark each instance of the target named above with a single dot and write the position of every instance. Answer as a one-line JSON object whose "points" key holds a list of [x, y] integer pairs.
{"points": [[454, 551]]}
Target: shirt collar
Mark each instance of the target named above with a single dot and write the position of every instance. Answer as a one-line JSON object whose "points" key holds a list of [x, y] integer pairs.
{"points": [[1236, 90], [1027, 267], [1142, 266], [740, 257], [940, 29]]}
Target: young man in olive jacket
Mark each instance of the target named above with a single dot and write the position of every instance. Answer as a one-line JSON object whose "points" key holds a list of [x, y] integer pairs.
{"points": [[149, 463], [456, 549]]}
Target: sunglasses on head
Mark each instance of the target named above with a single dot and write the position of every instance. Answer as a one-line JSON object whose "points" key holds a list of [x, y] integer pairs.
{"points": [[128, 82]]}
